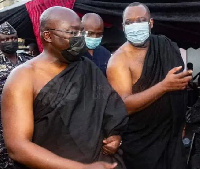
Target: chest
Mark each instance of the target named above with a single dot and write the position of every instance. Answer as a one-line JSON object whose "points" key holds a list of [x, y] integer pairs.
{"points": [[136, 64], [42, 77]]}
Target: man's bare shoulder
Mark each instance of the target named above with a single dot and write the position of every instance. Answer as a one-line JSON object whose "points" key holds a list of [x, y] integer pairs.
{"points": [[19, 76], [22, 74], [120, 56]]}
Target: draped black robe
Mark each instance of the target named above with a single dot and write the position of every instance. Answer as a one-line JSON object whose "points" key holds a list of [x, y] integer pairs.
{"points": [[153, 139], [193, 120], [75, 111]]}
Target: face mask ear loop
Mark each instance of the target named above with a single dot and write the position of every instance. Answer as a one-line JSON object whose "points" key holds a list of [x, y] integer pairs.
{"points": [[149, 28]]}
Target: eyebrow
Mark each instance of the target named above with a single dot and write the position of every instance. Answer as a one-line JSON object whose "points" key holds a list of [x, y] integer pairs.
{"points": [[136, 18], [75, 26]]}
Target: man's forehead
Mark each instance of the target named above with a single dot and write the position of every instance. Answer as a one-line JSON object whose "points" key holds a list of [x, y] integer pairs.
{"points": [[66, 24], [136, 12], [94, 27]]}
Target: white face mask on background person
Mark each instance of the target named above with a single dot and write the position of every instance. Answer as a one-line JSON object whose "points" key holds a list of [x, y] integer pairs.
{"points": [[137, 33], [92, 43]]}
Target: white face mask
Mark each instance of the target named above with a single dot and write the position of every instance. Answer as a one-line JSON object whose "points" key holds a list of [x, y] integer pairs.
{"points": [[137, 33], [92, 43]]}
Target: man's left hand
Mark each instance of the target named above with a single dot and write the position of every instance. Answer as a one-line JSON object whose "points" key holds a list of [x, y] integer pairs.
{"points": [[111, 144]]}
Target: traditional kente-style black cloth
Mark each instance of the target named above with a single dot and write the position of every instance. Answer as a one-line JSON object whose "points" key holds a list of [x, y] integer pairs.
{"points": [[153, 139], [193, 120], [193, 116], [194, 160], [75, 111]]}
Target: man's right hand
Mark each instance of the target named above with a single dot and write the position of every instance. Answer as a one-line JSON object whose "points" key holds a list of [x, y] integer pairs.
{"points": [[100, 165], [177, 81]]}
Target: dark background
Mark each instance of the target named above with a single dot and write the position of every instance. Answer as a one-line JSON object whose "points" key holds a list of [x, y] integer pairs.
{"points": [[178, 20]]}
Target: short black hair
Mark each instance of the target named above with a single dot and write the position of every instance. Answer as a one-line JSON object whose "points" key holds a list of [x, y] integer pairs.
{"points": [[137, 4]]}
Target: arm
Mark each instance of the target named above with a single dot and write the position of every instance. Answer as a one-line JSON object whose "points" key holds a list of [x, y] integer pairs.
{"points": [[18, 123], [119, 76], [17, 118]]}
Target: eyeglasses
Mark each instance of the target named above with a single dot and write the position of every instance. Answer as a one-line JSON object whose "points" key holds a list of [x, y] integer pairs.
{"points": [[71, 33], [93, 34]]}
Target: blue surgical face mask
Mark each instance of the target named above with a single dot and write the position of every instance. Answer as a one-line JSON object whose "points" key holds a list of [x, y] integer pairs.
{"points": [[137, 33], [92, 43]]}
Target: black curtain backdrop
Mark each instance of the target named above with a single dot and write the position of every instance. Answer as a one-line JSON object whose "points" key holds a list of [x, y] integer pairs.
{"points": [[18, 17], [179, 20]]}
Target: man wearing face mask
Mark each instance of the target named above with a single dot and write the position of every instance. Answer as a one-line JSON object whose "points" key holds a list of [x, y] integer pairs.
{"points": [[146, 71], [94, 27], [58, 109], [9, 59]]}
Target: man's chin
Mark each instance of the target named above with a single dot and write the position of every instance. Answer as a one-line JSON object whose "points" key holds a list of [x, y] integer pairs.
{"points": [[140, 45]]}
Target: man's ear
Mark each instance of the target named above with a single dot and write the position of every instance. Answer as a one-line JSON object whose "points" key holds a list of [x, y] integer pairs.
{"points": [[123, 25], [151, 23], [46, 36]]}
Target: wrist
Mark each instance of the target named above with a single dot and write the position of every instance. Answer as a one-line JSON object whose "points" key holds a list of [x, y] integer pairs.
{"points": [[80, 165], [162, 87]]}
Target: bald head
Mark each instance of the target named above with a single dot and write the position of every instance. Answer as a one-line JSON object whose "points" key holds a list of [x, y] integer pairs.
{"points": [[93, 24], [93, 19], [57, 16], [137, 10]]}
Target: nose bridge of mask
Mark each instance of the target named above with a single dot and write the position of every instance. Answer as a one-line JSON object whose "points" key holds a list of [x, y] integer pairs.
{"points": [[92, 43], [134, 27], [11, 44], [77, 45], [9, 47], [76, 50], [76, 41]]}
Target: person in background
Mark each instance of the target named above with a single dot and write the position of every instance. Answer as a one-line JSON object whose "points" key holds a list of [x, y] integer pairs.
{"points": [[94, 27], [192, 88], [9, 59], [146, 71], [33, 49], [193, 122]]}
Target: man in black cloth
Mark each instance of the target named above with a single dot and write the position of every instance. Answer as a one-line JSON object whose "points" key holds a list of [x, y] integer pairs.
{"points": [[146, 73], [58, 108], [94, 27]]}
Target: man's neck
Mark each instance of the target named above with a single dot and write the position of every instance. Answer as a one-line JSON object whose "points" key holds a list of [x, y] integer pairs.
{"points": [[11, 57], [53, 58], [91, 52]]}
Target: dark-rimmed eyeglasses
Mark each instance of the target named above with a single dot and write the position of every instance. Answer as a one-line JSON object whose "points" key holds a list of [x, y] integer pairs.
{"points": [[71, 33]]}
